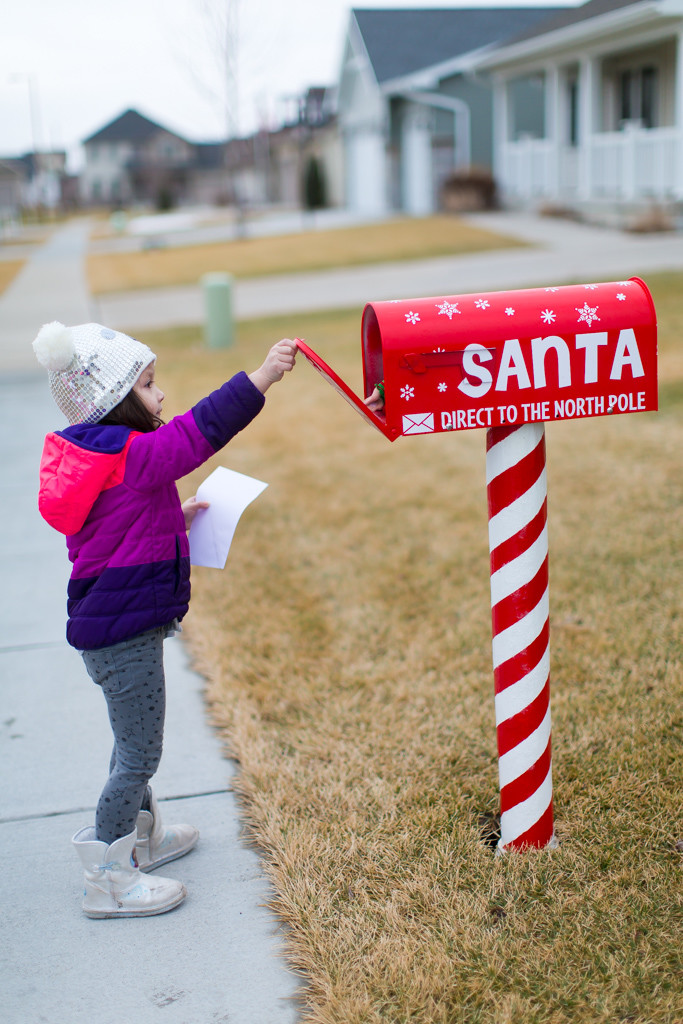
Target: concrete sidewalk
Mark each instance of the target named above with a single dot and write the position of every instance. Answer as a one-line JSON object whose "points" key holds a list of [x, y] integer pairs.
{"points": [[216, 958], [560, 251]]}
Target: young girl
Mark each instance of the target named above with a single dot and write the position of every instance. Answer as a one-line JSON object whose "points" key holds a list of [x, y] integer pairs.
{"points": [[108, 483]]}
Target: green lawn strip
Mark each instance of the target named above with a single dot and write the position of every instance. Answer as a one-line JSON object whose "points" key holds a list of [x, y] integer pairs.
{"points": [[8, 271]]}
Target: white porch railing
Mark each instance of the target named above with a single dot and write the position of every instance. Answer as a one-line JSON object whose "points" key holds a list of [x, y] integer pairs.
{"points": [[635, 163], [527, 168], [632, 164]]}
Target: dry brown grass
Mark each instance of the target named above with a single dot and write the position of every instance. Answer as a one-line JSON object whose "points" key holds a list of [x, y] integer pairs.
{"points": [[392, 240], [347, 652], [8, 271]]}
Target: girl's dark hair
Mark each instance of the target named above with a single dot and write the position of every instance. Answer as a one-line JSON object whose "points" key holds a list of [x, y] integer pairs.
{"points": [[132, 412]]}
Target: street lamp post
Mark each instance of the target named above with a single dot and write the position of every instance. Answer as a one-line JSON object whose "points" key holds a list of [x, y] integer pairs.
{"points": [[34, 113]]}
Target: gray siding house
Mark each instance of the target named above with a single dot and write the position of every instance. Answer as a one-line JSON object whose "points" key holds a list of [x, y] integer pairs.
{"points": [[603, 133], [412, 106]]}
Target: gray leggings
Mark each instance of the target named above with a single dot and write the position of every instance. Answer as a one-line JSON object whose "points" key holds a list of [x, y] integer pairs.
{"points": [[131, 675]]}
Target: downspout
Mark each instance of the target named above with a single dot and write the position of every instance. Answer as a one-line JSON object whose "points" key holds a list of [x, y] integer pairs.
{"points": [[461, 116]]}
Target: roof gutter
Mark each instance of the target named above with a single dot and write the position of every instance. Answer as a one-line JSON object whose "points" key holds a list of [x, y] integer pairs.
{"points": [[458, 108], [429, 77], [604, 25]]}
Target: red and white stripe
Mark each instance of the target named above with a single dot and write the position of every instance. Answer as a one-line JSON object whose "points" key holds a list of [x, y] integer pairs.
{"points": [[518, 542]]}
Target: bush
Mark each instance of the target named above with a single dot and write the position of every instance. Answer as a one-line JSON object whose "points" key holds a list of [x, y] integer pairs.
{"points": [[314, 185], [470, 189], [165, 200]]}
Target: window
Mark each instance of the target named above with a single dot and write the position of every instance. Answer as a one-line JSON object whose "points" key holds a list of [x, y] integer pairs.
{"points": [[526, 99], [648, 97], [638, 96], [573, 112]]}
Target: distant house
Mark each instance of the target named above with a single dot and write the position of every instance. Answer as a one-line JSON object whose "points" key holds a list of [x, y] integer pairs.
{"points": [[411, 106], [13, 178], [31, 182], [589, 110], [133, 159], [312, 134]]}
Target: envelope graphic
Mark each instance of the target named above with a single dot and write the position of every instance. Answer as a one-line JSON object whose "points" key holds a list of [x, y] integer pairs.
{"points": [[419, 423]]}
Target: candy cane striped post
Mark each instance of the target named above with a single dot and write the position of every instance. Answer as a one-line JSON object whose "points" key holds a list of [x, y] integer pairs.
{"points": [[518, 542]]}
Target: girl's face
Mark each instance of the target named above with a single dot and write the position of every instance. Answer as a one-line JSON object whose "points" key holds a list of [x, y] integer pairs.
{"points": [[147, 391]]}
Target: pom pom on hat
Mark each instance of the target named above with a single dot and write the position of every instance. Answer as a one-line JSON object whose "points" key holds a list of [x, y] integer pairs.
{"points": [[54, 347]]}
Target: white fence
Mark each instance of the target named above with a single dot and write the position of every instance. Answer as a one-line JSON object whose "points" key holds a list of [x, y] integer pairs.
{"points": [[632, 164]]}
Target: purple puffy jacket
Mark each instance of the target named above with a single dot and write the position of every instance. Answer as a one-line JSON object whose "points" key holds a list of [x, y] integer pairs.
{"points": [[112, 491]]}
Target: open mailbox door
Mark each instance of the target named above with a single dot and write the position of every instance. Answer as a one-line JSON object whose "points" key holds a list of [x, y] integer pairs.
{"points": [[377, 421]]}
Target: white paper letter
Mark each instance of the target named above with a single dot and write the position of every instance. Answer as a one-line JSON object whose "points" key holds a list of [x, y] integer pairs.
{"points": [[212, 530]]}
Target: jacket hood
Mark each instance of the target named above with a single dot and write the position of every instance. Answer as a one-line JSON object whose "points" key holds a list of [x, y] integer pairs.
{"points": [[77, 465]]}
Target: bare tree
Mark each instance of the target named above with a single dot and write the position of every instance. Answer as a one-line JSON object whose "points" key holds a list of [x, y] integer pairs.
{"points": [[222, 19], [218, 81]]}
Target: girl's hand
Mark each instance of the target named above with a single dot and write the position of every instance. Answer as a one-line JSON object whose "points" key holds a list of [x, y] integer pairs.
{"points": [[279, 361], [375, 401], [190, 509]]}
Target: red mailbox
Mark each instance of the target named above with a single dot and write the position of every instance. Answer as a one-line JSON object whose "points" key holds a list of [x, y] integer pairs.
{"points": [[505, 358], [509, 362]]}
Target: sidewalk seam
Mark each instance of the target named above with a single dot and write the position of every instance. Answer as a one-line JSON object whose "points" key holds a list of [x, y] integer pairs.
{"points": [[91, 810]]}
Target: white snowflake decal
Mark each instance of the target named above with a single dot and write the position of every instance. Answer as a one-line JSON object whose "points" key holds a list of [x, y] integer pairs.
{"points": [[510, 311], [625, 284], [443, 387], [548, 316], [407, 392], [550, 289], [412, 318], [448, 309], [482, 303], [587, 314], [438, 349], [590, 287], [621, 296]]}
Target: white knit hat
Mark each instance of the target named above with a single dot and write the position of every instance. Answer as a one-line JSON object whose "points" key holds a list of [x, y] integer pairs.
{"points": [[90, 367]]}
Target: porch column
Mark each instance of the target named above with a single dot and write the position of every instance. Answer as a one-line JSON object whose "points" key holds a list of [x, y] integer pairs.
{"points": [[678, 115], [416, 146], [501, 133], [553, 131], [587, 86], [366, 170]]}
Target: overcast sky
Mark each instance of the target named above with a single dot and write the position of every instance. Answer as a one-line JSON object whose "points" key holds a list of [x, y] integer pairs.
{"points": [[83, 62]]}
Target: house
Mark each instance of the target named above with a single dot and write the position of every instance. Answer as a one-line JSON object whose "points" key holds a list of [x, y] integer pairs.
{"points": [[411, 106], [13, 179], [34, 181], [311, 134], [133, 159], [589, 111]]}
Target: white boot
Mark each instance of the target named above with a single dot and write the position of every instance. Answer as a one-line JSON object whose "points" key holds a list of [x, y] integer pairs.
{"points": [[114, 886], [157, 845]]}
